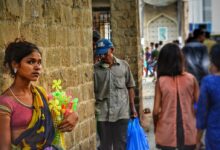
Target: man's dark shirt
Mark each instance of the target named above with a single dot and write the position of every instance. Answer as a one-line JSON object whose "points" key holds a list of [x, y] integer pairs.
{"points": [[197, 59]]}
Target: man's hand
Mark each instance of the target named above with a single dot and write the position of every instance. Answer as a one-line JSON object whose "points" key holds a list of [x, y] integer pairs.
{"points": [[134, 115]]}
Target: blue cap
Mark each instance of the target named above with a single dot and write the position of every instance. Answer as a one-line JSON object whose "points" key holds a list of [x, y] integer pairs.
{"points": [[102, 46]]}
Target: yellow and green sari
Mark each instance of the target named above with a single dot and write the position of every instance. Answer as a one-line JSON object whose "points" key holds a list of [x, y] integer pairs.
{"points": [[40, 132]]}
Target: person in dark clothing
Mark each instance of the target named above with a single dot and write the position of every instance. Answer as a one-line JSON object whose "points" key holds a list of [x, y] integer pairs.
{"points": [[196, 55], [95, 37], [189, 38], [155, 54], [208, 104]]}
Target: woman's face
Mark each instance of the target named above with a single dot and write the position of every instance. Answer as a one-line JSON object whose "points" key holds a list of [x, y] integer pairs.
{"points": [[30, 67]]}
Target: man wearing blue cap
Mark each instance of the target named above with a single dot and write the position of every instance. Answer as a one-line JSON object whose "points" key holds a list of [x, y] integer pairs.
{"points": [[114, 93]]}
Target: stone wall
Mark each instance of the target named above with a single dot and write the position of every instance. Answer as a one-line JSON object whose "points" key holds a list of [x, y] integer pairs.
{"points": [[126, 37], [63, 31]]}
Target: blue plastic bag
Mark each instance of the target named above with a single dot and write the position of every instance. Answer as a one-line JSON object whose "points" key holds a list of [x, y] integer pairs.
{"points": [[136, 137]]}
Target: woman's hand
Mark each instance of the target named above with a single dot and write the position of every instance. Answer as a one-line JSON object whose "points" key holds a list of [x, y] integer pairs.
{"points": [[69, 122]]}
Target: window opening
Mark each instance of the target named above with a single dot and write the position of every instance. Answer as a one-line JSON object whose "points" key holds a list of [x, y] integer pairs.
{"points": [[101, 21]]}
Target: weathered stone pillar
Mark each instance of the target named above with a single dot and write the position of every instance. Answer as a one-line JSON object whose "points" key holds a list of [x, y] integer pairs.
{"points": [[63, 31], [185, 22], [126, 37]]}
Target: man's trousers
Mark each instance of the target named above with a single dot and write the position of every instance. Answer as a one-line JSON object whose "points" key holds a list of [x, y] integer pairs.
{"points": [[112, 134]]}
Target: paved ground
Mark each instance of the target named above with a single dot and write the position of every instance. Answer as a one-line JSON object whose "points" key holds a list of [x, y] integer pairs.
{"points": [[148, 100]]}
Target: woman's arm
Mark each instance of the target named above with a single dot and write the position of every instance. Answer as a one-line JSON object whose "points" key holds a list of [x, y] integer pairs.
{"points": [[5, 131], [157, 104]]}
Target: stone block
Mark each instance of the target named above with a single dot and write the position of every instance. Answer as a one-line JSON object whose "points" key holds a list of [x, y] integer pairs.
{"points": [[92, 142], [57, 13], [80, 70], [71, 37], [28, 10], [26, 31], [2, 43], [65, 57], [85, 129], [82, 111], [85, 145], [86, 74], [87, 19], [83, 55], [77, 13], [52, 30], [84, 92], [9, 30], [14, 8], [67, 18], [122, 5], [89, 73], [77, 135], [92, 126], [130, 33], [90, 56], [122, 23], [71, 77], [69, 141], [6, 81], [61, 36], [91, 90], [86, 4], [53, 58], [67, 2], [90, 108], [74, 57], [39, 35]]}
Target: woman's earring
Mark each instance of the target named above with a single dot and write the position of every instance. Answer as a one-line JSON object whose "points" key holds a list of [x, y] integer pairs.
{"points": [[15, 70]]}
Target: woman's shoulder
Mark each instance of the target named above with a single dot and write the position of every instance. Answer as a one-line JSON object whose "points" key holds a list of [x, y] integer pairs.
{"points": [[6, 103], [188, 75], [211, 78], [182, 77], [5, 98]]}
